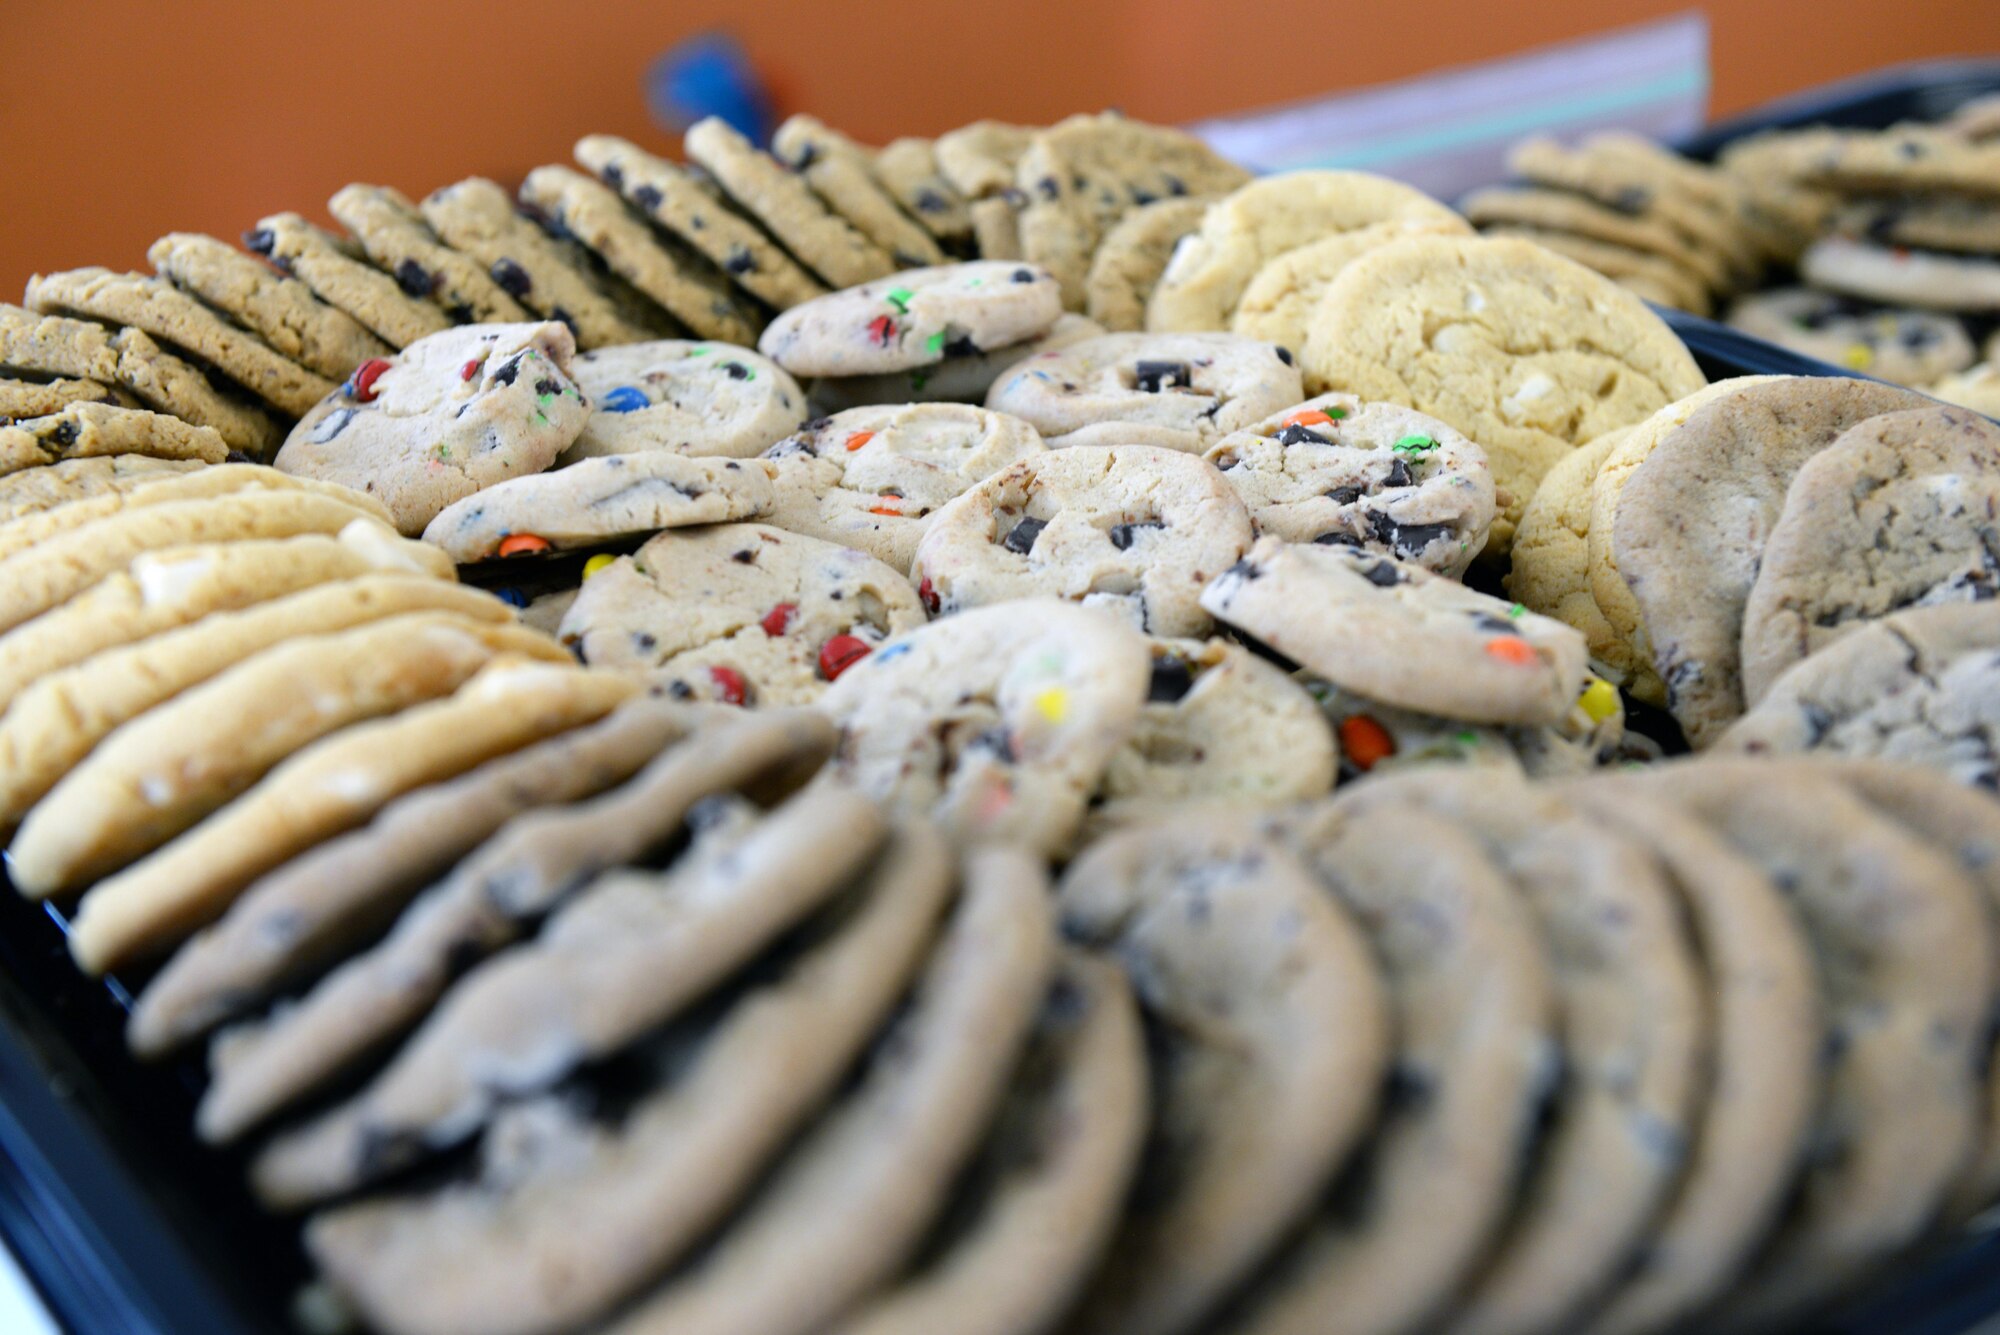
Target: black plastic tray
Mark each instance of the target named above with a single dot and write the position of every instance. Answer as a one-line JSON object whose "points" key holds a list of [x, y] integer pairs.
{"points": [[1925, 90]]}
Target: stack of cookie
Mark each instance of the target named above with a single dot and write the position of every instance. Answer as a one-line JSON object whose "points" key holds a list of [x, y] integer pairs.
{"points": [[1745, 557], [1676, 232]]}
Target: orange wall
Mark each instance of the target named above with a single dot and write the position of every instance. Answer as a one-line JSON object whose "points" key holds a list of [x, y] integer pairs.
{"points": [[120, 120]]}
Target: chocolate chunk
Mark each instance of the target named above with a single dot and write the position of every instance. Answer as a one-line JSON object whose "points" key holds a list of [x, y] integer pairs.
{"points": [[1284, 355], [1493, 625], [647, 197], [962, 346], [1633, 199], [1299, 435], [1024, 275], [508, 371], [1175, 185], [1399, 473], [64, 435], [612, 175], [260, 239], [415, 279], [1050, 187], [1172, 679], [736, 370], [745, 557], [997, 740], [1406, 540], [1337, 538], [930, 201], [740, 261], [1153, 377], [1346, 495], [1383, 575], [511, 277], [1122, 535], [1021, 537]]}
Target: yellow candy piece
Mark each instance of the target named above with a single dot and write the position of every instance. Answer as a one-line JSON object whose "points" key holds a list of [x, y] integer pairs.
{"points": [[1052, 704], [1858, 357], [597, 563], [1599, 700]]}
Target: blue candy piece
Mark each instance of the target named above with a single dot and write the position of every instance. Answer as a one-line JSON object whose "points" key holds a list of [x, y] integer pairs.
{"points": [[511, 597], [624, 399]]}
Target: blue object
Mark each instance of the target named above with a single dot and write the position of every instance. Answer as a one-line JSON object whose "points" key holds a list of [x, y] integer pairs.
{"points": [[709, 74], [624, 399], [511, 597]]}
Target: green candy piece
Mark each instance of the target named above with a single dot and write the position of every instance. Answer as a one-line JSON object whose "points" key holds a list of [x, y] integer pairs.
{"points": [[1414, 444], [899, 297], [935, 343]]}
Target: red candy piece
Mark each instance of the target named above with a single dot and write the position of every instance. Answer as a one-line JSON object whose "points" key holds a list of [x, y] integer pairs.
{"points": [[928, 596], [1365, 742], [882, 329], [1512, 649], [779, 619], [1310, 417], [859, 438], [730, 688], [365, 375], [469, 370], [839, 654], [522, 544]]}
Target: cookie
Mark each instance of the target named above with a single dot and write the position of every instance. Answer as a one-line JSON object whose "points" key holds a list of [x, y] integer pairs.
{"points": [[330, 786], [1133, 530], [95, 430], [166, 770], [174, 317], [39, 398], [1220, 725], [629, 952], [875, 478], [978, 159], [1083, 174], [1906, 346], [785, 204], [1050, 1180], [674, 278], [67, 712], [339, 278], [552, 278], [281, 310], [1128, 262], [841, 172], [1337, 470], [1398, 634], [305, 912], [1502, 340], [739, 614], [687, 398], [1270, 1038], [1901, 277], [995, 723], [488, 901], [665, 192], [1977, 389], [1261, 221], [1655, 276], [914, 318], [1762, 990], [996, 226], [595, 500], [1581, 216], [1916, 686], [397, 238], [1278, 302], [38, 490], [1550, 564], [908, 169], [450, 414], [1470, 998], [215, 480], [51, 573], [1180, 391], [555, 1236], [1923, 222], [1634, 1033], [1903, 159], [889, 1150], [1977, 119], [965, 379], [48, 345], [1904, 948], [1690, 518], [1900, 510]]}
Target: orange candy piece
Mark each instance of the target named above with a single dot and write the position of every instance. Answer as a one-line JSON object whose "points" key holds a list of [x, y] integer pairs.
{"points": [[1310, 417], [1365, 742], [858, 439], [522, 544], [1512, 649], [885, 505]]}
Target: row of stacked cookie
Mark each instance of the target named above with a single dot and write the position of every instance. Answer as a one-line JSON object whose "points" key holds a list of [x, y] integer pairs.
{"points": [[1629, 1009], [205, 667], [1717, 553]]}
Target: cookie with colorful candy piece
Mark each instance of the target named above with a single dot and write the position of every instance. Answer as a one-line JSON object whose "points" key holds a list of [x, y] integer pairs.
{"points": [[915, 318], [1401, 635], [1907, 346], [875, 478], [965, 379], [1133, 530], [739, 614], [1337, 470], [451, 413], [997, 722], [596, 500], [1180, 391], [1935, 279], [710, 399]]}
